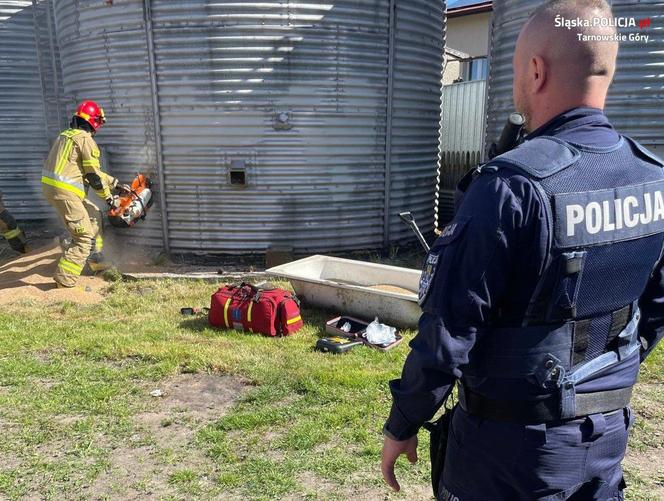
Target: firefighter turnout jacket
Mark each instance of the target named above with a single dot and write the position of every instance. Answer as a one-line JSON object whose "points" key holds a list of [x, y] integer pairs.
{"points": [[74, 163]]}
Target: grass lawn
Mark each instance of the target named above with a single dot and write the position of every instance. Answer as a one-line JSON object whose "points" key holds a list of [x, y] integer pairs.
{"points": [[241, 416]]}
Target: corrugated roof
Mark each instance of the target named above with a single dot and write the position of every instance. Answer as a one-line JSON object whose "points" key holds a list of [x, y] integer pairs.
{"points": [[457, 4]]}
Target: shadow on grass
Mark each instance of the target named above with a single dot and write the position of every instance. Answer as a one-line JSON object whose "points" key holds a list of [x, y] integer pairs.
{"points": [[197, 323], [314, 321]]}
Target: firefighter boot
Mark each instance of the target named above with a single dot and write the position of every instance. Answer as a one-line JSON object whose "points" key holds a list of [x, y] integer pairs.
{"points": [[11, 232], [97, 262], [18, 243]]}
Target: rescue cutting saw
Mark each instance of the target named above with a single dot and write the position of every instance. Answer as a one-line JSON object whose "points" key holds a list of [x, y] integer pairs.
{"points": [[134, 203]]}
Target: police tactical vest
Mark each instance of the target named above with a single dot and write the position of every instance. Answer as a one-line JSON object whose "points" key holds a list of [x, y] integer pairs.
{"points": [[605, 234]]}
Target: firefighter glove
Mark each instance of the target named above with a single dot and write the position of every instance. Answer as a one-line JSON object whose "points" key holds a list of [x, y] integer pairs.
{"points": [[113, 201]]}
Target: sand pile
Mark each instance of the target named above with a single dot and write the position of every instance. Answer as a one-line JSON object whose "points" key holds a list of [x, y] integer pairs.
{"points": [[392, 288], [30, 277]]}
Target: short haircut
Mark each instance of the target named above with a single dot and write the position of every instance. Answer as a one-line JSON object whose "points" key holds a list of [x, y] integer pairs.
{"points": [[590, 58]]}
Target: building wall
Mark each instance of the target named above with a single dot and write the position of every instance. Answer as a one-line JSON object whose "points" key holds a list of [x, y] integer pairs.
{"points": [[470, 34], [452, 71]]}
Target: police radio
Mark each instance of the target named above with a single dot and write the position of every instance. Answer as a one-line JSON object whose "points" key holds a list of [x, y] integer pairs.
{"points": [[510, 137]]}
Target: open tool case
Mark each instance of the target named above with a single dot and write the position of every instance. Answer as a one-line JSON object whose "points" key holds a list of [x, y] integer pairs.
{"points": [[357, 329], [337, 344]]}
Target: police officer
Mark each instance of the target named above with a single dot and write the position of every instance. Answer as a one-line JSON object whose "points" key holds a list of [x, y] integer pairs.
{"points": [[10, 230], [72, 165], [546, 291]]}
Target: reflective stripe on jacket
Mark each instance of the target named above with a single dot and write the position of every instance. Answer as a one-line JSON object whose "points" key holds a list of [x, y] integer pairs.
{"points": [[73, 156]]}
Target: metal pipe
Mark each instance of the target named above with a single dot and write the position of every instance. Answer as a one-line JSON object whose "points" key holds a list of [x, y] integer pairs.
{"points": [[388, 124], [409, 220], [147, 17]]}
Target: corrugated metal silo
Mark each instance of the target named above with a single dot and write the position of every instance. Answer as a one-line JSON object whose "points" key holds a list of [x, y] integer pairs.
{"points": [[419, 48], [635, 98], [635, 95], [104, 54], [50, 69], [24, 125], [271, 119]]}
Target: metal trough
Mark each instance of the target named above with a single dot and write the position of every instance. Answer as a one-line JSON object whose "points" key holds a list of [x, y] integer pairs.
{"points": [[365, 290]]}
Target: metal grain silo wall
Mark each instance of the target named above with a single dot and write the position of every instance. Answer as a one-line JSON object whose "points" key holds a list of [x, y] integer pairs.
{"points": [[419, 49], [227, 71], [634, 101], [292, 94], [104, 53], [508, 19], [50, 69], [293, 97], [23, 129]]}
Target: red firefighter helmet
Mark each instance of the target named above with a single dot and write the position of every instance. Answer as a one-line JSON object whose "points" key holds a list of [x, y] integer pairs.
{"points": [[92, 113]]}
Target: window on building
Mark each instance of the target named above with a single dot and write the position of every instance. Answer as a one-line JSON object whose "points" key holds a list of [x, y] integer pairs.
{"points": [[476, 69]]}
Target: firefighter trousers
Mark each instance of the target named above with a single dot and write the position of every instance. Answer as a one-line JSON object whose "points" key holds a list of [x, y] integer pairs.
{"points": [[83, 221], [10, 231]]}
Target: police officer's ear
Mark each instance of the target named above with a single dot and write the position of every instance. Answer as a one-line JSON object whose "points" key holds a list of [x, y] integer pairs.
{"points": [[538, 74]]}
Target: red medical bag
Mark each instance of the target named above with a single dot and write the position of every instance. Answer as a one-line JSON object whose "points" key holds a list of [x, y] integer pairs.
{"points": [[269, 311]]}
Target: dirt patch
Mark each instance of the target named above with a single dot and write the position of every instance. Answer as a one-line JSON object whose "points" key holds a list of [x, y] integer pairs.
{"points": [[201, 395], [645, 454], [30, 277], [188, 402], [313, 485], [130, 476], [649, 464], [164, 436]]}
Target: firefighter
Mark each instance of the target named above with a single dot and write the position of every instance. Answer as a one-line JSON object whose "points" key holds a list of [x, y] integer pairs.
{"points": [[10, 230], [72, 166]]}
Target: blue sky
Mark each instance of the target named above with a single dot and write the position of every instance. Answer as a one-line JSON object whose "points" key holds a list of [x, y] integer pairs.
{"points": [[453, 4]]}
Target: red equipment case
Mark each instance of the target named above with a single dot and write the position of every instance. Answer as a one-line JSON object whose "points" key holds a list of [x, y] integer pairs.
{"points": [[269, 311]]}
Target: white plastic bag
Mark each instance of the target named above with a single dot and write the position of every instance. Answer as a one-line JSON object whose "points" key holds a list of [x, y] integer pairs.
{"points": [[380, 334]]}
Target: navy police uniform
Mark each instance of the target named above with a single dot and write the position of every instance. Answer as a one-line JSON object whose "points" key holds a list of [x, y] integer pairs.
{"points": [[542, 297]]}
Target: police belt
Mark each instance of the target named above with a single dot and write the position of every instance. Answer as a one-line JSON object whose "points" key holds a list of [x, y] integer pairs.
{"points": [[541, 411]]}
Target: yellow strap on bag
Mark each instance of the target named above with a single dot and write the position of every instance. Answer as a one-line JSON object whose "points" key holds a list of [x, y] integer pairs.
{"points": [[294, 320], [228, 303]]}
